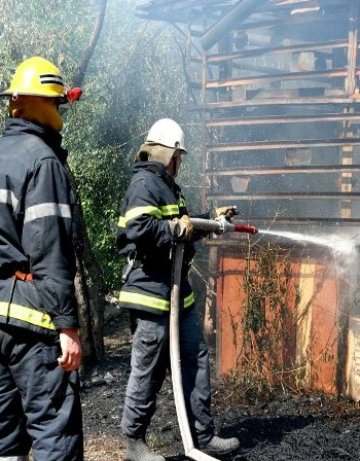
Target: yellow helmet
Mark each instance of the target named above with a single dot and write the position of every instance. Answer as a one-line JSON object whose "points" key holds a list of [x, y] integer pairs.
{"points": [[37, 76]]}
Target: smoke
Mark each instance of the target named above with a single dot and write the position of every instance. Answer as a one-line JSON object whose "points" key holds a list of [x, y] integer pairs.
{"points": [[344, 250]]}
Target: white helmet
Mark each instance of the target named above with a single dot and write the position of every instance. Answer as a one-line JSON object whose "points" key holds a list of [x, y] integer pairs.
{"points": [[168, 133]]}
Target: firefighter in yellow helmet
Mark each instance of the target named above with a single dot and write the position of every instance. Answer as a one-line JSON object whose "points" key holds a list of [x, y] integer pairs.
{"points": [[154, 215], [40, 349]]}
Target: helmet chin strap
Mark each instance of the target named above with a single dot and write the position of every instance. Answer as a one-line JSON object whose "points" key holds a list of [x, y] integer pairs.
{"points": [[171, 170], [174, 166]]}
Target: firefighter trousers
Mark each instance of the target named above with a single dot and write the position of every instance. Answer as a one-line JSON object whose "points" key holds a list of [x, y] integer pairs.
{"points": [[150, 360], [39, 401]]}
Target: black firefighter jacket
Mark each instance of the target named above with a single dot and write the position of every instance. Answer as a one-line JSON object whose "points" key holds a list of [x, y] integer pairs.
{"points": [[35, 230], [151, 200]]}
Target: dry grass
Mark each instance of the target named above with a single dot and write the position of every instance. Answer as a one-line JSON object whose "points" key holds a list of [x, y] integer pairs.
{"points": [[104, 448]]}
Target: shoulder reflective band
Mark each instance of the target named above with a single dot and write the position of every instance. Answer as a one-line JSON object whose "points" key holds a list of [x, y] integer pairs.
{"points": [[151, 301], [27, 314], [47, 209], [144, 300], [8, 198]]}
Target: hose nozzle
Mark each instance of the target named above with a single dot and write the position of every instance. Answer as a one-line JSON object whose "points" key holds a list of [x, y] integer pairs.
{"points": [[245, 228], [221, 226]]}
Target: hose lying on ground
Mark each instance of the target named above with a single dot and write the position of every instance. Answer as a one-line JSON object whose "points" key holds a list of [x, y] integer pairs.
{"points": [[175, 361], [219, 226]]}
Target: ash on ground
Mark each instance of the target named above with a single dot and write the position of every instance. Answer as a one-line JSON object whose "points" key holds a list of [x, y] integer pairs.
{"points": [[280, 426]]}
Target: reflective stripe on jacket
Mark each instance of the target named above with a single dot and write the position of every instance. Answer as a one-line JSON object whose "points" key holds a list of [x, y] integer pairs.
{"points": [[23, 314], [36, 230], [152, 199]]}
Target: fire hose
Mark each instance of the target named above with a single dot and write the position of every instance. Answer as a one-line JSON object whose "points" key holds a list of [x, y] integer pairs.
{"points": [[218, 226]]}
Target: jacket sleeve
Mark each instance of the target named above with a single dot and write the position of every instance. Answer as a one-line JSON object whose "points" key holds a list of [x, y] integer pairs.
{"points": [[144, 219], [47, 240]]}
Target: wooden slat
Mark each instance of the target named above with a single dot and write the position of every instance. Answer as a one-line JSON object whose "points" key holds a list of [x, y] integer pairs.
{"points": [[259, 171], [282, 119], [269, 145], [286, 196], [334, 73], [281, 101], [330, 45]]}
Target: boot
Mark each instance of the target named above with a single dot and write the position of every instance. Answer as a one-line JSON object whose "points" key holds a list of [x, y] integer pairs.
{"points": [[137, 450], [219, 446]]}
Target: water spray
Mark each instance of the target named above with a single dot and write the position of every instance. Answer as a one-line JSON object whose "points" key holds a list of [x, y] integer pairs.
{"points": [[344, 246]]}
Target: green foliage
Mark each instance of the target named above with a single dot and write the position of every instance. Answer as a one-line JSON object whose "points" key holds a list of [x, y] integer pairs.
{"points": [[101, 178], [40, 27]]}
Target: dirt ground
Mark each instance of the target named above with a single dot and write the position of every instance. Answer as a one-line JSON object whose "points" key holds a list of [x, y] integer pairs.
{"points": [[281, 427]]}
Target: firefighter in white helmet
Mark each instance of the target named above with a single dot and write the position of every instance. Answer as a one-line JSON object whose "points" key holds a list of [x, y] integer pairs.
{"points": [[154, 215], [40, 349]]}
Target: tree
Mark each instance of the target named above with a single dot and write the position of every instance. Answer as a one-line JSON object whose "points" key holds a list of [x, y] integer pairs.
{"points": [[89, 283]]}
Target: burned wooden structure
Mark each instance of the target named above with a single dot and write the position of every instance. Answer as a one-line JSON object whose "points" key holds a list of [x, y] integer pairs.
{"points": [[278, 84]]}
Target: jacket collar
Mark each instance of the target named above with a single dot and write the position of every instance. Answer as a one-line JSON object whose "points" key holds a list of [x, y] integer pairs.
{"points": [[160, 170], [154, 167], [52, 138]]}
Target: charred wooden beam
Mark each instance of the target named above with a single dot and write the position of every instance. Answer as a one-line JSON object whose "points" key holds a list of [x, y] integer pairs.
{"points": [[252, 53], [334, 73], [259, 171], [306, 101], [270, 145], [238, 14], [286, 196], [250, 69], [282, 119]]}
